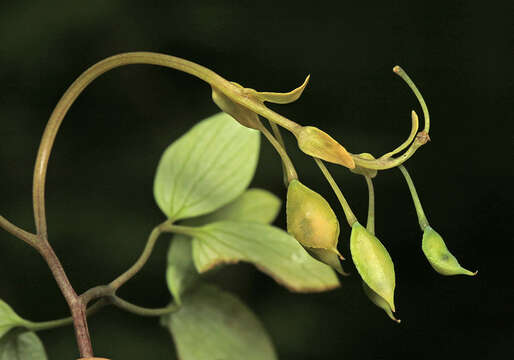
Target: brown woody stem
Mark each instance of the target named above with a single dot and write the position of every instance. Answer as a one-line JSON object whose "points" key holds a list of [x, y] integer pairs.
{"points": [[77, 307], [29, 238]]}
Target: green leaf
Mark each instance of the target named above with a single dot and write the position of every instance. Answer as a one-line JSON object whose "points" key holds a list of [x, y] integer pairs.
{"points": [[206, 168], [270, 249], [21, 344], [255, 205], [180, 273], [8, 319], [215, 325]]}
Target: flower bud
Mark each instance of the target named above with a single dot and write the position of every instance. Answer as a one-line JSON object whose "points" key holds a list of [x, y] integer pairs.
{"points": [[312, 222], [317, 143], [379, 301], [243, 115], [362, 170], [373, 263], [281, 98], [438, 255]]}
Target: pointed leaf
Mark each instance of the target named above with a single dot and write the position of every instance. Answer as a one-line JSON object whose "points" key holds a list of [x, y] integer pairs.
{"points": [[8, 319], [180, 273], [215, 325], [206, 168], [270, 249], [21, 345], [254, 205]]}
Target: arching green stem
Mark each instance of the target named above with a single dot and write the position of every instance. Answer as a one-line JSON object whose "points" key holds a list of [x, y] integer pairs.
{"points": [[142, 311], [386, 161], [52, 324], [413, 131], [165, 227], [143, 258], [232, 91], [114, 300], [423, 222], [401, 73]]}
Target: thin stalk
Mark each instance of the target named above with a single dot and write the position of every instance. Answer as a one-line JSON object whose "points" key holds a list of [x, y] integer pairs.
{"points": [[165, 227], [21, 234], [287, 164], [97, 292], [401, 73], [413, 131], [423, 222], [350, 217], [143, 258], [371, 206], [181, 229], [113, 300], [52, 324], [388, 163], [278, 136], [142, 311]]}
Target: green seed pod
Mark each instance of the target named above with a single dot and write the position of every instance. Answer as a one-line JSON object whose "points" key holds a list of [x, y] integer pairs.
{"points": [[379, 301], [317, 143], [328, 257], [373, 263], [438, 255], [312, 222]]}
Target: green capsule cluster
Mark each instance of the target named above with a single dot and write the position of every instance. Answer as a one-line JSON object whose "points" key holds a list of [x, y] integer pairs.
{"points": [[311, 220]]}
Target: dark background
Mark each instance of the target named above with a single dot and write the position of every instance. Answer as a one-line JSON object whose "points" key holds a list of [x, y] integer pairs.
{"points": [[99, 194]]}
